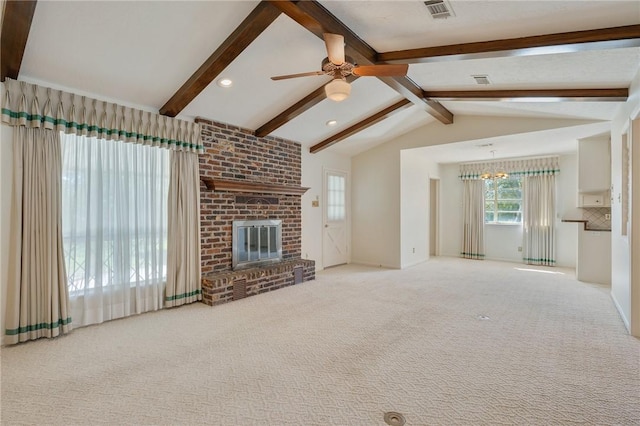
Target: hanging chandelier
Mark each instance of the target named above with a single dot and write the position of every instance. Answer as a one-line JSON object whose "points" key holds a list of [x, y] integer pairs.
{"points": [[493, 173]]}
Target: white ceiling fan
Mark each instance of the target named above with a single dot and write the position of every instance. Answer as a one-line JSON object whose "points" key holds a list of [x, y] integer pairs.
{"points": [[339, 66]]}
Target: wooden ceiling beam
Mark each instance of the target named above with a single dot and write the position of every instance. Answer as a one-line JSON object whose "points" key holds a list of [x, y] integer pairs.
{"points": [[556, 95], [367, 122], [16, 24], [602, 38], [258, 20], [295, 110], [318, 20]]}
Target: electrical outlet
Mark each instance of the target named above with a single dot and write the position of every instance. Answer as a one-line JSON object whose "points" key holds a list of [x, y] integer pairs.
{"points": [[414, 249], [520, 248], [607, 216]]}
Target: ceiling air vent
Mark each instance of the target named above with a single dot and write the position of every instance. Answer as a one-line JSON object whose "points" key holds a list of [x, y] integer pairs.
{"points": [[439, 9], [481, 79]]}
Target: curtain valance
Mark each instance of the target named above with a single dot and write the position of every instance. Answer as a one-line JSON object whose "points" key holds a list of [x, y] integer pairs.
{"points": [[31, 105], [521, 167]]}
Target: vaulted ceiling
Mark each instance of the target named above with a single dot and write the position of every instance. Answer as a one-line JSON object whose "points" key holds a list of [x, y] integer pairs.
{"points": [[565, 59]]}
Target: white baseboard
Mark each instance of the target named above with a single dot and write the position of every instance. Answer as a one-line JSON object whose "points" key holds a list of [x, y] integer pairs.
{"points": [[620, 312], [376, 265], [409, 265]]}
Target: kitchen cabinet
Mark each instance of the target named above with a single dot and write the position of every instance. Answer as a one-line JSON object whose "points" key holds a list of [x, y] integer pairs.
{"points": [[599, 199], [594, 164], [594, 257]]}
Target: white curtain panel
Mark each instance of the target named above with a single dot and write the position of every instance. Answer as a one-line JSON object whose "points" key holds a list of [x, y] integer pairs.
{"points": [[37, 299], [114, 204], [538, 217], [473, 219], [183, 262]]}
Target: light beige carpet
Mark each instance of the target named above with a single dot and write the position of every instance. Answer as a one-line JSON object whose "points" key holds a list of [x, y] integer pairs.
{"points": [[448, 342]]}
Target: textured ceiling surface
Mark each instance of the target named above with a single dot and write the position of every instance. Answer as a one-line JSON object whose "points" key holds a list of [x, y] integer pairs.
{"points": [[142, 52]]}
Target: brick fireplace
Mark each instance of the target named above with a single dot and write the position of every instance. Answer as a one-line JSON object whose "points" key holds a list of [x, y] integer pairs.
{"points": [[246, 178]]}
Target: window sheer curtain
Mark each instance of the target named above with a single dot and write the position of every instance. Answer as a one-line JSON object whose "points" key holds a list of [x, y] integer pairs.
{"points": [[538, 217], [114, 198], [473, 219]]}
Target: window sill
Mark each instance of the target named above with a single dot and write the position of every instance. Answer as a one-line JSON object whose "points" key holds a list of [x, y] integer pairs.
{"points": [[504, 223]]}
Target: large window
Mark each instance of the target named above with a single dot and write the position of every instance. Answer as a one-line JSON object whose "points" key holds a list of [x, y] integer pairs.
{"points": [[503, 200]]}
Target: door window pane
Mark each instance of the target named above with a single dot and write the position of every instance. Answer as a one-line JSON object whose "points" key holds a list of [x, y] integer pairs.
{"points": [[336, 198]]}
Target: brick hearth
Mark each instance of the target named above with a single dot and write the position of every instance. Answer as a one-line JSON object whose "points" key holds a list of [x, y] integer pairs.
{"points": [[234, 154], [222, 287]]}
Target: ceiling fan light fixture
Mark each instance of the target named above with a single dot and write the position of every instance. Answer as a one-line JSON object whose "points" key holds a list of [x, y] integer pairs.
{"points": [[337, 90]]}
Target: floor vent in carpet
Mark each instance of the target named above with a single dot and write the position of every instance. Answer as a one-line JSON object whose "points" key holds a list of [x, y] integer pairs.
{"points": [[394, 419]]}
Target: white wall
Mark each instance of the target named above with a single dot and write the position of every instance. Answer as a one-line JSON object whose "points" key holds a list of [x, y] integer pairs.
{"points": [[566, 201], [376, 185], [313, 166], [501, 242], [450, 210], [621, 251], [375, 207], [416, 171]]}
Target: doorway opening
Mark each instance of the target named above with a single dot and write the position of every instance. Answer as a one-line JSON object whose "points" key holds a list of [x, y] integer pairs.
{"points": [[434, 219]]}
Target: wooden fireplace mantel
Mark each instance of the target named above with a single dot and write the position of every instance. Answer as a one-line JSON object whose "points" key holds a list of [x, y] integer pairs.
{"points": [[254, 187]]}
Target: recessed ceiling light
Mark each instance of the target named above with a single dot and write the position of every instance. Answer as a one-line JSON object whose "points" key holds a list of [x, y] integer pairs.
{"points": [[331, 123], [225, 82]]}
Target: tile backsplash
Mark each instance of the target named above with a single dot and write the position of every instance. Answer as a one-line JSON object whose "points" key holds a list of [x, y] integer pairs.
{"points": [[597, 217]]}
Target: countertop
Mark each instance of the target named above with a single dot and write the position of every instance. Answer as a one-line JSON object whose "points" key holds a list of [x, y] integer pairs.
{"points": [[586, 225]]}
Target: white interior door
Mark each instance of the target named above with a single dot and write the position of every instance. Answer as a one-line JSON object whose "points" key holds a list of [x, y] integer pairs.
{"points": [[334, 237]]}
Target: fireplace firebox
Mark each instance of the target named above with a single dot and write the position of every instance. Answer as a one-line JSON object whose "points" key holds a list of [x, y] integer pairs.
{"points": [[256, 242]]}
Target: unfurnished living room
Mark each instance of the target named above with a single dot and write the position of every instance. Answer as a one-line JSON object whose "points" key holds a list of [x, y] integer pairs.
{"points": [[320, 212]]}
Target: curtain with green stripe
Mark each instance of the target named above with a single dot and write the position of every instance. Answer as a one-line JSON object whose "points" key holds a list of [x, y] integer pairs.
{"points": [[473, 219], [540, 166], [183, 257], [35, 106], [37, 296], [538, 219]]}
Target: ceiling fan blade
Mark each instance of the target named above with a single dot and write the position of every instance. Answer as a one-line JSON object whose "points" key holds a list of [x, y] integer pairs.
{"points": [[303, 74], [335, 47], [390, 70]]}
